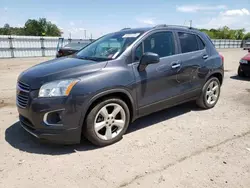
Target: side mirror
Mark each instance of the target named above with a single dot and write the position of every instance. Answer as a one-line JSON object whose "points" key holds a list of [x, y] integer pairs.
{"points": [[148, 58], [249, 50]]}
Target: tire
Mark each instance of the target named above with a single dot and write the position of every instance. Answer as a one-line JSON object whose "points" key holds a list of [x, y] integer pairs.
{"points": [[90, 127], [241, 73], [202, 101]]}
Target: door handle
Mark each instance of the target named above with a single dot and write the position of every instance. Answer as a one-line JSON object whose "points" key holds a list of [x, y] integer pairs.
{"points": [[205, 57], [174, 66]]}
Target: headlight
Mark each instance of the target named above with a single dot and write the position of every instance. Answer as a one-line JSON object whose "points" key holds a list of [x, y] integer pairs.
{"points": [[242, 61], [57, 88]]}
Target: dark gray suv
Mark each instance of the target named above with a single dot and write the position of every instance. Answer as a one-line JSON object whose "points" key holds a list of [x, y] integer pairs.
{"points": [[118, 78]]}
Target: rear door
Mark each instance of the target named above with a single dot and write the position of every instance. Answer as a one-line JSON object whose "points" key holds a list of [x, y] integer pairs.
{"points": [[193, 60]]}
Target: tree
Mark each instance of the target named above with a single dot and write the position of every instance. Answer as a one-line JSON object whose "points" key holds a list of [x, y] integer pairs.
{"points": [[225, 33], [6, 29], [247, 36], [41, 27], [32, 28]]}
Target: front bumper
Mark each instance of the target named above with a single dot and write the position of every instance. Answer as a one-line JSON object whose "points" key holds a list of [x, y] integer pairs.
{"points": [[245, 68], [70, 136], [32, 119]]}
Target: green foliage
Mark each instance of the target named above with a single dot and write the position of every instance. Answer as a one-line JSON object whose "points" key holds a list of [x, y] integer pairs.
{"points": [[32, 27], [247, 36], [225, 33]]}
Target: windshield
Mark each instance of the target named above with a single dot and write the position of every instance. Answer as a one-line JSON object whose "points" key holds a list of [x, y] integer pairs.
{"points": [[76, 46], [109, 46]]}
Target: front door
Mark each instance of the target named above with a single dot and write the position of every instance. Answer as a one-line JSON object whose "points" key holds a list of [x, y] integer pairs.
{"points": [[157, 82]]}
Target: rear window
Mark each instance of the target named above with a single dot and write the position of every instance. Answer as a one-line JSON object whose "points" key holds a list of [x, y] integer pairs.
{"points": [[76, 46], [188, 42]]}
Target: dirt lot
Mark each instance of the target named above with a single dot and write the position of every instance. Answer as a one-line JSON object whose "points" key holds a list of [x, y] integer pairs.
{"points": [[179, 147]]}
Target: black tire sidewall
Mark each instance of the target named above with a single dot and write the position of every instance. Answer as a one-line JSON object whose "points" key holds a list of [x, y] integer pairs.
{"points": [[89, 130], [240, 72], [205, 90]]}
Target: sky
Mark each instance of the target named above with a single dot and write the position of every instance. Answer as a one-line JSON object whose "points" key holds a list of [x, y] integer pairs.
{"points": [[98, 17]]}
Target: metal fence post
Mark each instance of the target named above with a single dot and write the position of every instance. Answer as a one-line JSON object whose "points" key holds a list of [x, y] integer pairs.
{"points": [[42, 46], [11, 46]]}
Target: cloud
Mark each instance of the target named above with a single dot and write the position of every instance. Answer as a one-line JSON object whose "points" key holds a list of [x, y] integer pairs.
{"points": [[147, 21], [5, 9], [196, 8], [236, 12], [234, 19]]}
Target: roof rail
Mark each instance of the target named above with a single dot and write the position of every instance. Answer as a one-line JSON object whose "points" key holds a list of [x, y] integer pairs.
{"points": [[160, 25], [126, 28], [176, 26]]}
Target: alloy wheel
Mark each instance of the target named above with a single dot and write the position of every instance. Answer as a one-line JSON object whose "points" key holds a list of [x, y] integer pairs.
{"points": [[109, 121]]}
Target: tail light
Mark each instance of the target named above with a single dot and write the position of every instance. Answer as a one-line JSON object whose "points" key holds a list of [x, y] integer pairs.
{"points": [[222, 58], [59, 53]]}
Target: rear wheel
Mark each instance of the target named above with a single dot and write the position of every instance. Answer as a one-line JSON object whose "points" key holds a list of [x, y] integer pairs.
{"points": [[210, 94], [107, 122], [240, 72]]}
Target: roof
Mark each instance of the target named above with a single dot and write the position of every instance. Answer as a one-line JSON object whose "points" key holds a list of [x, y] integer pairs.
{"points": [[179, 27]]}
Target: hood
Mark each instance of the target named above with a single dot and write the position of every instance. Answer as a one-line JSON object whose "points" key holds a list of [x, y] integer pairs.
{"points": [[247, 57], [60, 68]]}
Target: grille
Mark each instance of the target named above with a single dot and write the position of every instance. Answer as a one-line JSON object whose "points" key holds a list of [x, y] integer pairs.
{"points": [[23, 86], [22, 94]]}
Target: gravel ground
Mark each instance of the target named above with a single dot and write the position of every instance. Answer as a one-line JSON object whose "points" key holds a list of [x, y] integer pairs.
{"points": [[179, 147]]}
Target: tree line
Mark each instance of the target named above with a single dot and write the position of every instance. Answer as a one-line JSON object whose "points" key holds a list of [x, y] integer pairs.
{"points": [[227, 33], [32, 27], [42, 27]]}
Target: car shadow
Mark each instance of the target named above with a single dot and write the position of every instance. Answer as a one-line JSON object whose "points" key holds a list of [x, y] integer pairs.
{"points": [[236, 77], [161, 116], [18, 138]]}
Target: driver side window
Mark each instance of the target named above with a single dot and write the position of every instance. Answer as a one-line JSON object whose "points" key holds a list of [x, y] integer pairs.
{"points": [[161, 43]]}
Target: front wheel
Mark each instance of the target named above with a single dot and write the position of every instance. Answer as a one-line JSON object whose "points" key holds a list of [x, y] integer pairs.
{"points": [[107, 122], [210, 94]]}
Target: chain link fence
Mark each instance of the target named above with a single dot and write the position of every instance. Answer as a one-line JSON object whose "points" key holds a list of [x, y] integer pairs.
{"points": [[34, 46], [226, 43]]}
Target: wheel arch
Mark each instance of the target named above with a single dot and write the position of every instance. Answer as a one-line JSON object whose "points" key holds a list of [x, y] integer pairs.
{"points": [[116, 93], [218, 75]]}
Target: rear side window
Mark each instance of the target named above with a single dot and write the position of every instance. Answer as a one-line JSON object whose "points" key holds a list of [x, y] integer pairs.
{"points": [[200, 43], [188, 42]]}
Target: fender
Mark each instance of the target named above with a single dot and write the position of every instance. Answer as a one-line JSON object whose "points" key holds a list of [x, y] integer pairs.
{"points": [[108, 92], [217, 71]]}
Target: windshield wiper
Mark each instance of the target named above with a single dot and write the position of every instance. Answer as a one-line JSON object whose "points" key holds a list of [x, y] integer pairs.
{"points": [[94, 58], [87, 58]]}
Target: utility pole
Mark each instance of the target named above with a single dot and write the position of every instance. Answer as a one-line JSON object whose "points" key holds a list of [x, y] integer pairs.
{"points": [[191, 23], [85, 33]]}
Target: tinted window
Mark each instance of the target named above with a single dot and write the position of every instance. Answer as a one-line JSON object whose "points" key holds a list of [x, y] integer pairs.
{"points": [[188, 42], [200, 43], [160, 43]]}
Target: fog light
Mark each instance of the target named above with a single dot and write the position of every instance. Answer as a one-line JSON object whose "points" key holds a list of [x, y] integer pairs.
{"points": [[53, 118]]}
